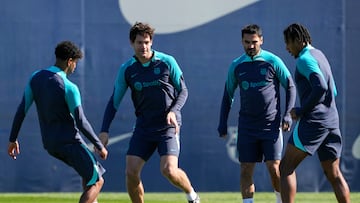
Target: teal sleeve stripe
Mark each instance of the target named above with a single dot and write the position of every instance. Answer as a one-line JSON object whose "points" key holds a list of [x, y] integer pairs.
{"points": [[281, 70], [335, 89], [231, 81], [296, 138], [72, 95], [28, 95], [95, 176], [175, 71], [120, 84], [307, 65]]}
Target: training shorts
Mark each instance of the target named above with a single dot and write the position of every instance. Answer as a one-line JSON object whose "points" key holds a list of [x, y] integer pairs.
{"points": [[311, 137], [143, 143], [79, 157], [253, 146]]}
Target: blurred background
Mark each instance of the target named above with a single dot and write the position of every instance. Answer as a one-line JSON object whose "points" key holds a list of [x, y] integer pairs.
{"points": [[204, 36]]}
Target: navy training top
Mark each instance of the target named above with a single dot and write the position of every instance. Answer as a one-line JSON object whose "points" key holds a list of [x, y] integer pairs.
{"points": [[258, 79], [157, 87], [316, 88], [59, 110]]}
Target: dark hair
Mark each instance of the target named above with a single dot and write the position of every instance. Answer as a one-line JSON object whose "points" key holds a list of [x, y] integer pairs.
{"points": [[251, 29], [67, 49], [140, 28], [297, 31]]}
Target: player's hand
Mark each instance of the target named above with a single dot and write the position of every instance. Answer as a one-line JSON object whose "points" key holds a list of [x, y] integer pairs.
{"points": [[171, 120], [103, 153], [104, 138], [13, 149], [286, 126]]}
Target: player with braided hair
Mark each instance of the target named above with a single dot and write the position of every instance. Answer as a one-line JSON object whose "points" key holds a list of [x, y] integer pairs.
{"points": [[317, 127]]}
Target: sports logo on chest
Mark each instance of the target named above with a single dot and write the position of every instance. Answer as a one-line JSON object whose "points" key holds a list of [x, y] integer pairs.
{"points": [[149, 78], [263, 71], [157, 71]]}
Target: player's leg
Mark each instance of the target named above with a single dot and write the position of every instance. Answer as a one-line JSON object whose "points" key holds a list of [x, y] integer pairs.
{"points": [[176, 176], [247, 186], [305, 140], [169, 149], [140, 150], [90, 193], [336, 179], [272, 153], [292, 158], [250, 152], [169, 169], [135, 188], [329, 153], [79, 157]]}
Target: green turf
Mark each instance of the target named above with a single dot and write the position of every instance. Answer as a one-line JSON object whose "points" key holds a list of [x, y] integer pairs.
{"points": [[212, 197]]}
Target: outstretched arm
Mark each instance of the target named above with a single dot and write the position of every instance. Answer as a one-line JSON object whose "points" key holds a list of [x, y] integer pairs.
{"points": [[84, 126], [27, 100]]}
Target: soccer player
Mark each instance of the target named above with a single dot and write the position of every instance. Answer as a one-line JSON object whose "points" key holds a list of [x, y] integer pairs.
{"points": [[158, 92], [317, 126], [61, 117], [259, 75]]}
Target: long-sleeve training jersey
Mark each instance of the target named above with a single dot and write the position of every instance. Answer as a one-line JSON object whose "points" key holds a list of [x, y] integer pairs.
{"points": [[59, 110], [157, 88], [316, 88], [259, 79]]}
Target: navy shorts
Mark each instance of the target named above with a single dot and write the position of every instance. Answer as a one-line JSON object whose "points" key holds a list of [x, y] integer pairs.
{"points": [[253, 146], [143, 144], [311, 138], [79, 157]]}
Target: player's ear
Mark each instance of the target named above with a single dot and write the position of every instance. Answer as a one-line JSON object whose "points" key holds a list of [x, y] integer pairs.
{"points": [[69, 61]]}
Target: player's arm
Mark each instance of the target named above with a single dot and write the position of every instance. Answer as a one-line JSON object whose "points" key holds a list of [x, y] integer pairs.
{"points": [[85, 127], [73, 100], [287, 83], [178, 103], [112, 106], [227, 100], [181, 97], [312, 72], [177, 78], [27, 100]]}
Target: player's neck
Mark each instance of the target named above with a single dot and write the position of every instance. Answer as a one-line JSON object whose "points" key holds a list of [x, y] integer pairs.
{"points": [[62, 65]]}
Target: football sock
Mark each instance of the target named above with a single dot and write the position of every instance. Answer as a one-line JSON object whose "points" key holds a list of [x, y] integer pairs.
{"points": [[192, 195], [248, 200], [278, 197]]}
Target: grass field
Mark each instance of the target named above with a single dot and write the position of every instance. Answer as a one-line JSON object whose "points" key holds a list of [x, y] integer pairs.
{"points": [[211, 197]]}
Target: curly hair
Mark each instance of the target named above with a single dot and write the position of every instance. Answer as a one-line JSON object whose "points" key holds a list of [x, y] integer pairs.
{"points": [[140, 28], [67, 49], [297, 31]]}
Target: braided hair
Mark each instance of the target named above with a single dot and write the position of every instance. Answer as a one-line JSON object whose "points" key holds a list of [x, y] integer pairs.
{"points": [[297, 32]]}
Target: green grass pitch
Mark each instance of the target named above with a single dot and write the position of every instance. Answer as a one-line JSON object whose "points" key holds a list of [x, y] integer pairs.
{"points": [[206, 197]]}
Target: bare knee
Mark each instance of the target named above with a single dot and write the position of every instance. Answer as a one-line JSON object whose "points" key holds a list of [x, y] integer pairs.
{"points": [[273, 168], [169, 172], [247, 170], [132, 175], [331, 170], [333, 174]]}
